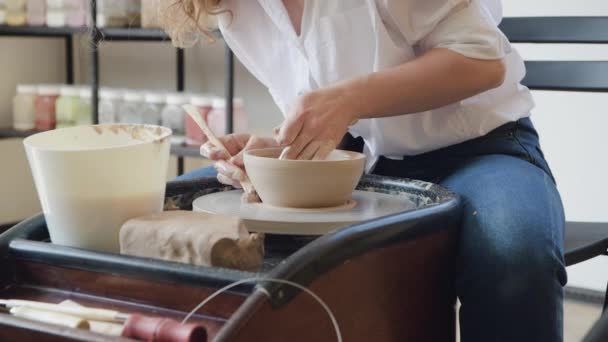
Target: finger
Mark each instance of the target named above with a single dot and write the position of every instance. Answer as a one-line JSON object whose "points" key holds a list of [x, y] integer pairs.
{"points": [[276, 130], [209, 151], [324, 150], [228, 181], [298, 145], [311, 149], [234, 143], [289, 131], [230, 170], [253, 143]]}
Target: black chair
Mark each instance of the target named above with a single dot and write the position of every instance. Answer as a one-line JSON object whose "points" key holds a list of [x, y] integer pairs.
{"points": [[584, 240]]}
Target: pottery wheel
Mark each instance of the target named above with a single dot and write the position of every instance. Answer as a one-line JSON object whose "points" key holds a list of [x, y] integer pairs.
{"points": [[259, 217]]}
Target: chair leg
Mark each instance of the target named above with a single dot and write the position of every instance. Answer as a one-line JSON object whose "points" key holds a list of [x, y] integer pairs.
{"points": [[605, 299]]}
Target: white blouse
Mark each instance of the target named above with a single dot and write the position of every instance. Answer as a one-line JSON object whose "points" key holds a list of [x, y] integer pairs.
{"points": [[342, 39]]}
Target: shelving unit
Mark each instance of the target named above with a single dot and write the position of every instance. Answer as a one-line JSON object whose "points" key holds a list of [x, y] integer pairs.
{"points": [[98, 35]]}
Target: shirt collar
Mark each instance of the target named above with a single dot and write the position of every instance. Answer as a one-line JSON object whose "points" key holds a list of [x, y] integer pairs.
{"points": [[278, 14]]}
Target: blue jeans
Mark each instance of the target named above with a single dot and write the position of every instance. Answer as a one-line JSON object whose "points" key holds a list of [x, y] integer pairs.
{"points": [[510, 263]]}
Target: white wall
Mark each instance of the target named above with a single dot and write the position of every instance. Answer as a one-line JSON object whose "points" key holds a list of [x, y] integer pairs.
{"points": [[572, 130], [22, 60]]}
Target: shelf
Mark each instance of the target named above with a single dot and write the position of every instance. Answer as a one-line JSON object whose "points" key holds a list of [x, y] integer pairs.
{"points": [[140, 34], [107, 33], [131, 34], [6, 133], [179, 150], [40, 31]]}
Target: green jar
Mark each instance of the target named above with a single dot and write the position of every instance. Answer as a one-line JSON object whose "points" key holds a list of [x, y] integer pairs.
{"points": [[84, 107], [67, 107]]}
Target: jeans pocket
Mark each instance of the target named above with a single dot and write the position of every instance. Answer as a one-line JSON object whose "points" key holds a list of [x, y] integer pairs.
{"points": [[526, 138], [525, 151]]}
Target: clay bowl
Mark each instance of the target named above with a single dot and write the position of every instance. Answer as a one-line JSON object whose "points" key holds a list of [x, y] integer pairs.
{"points": [[304, 183]]}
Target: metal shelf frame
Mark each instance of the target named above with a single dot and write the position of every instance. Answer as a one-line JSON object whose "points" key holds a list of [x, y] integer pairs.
{"points": [[99, 35]]}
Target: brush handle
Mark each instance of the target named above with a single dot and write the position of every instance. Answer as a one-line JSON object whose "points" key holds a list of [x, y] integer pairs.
{"points": [[50, 317], [106, 328], [83, 312]]}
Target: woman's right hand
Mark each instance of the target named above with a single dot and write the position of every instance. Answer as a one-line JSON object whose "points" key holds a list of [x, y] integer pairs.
{"points": [[231, 170]]}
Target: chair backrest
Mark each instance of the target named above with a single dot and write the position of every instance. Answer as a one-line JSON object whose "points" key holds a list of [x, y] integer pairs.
{"points": [[585, 76]]}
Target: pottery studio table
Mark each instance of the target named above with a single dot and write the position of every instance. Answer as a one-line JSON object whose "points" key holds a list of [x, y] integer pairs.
{"points": [[388, 279]]}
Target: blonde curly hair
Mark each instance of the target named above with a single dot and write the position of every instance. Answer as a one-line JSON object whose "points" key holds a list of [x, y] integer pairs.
{"points": [[185, 20]]}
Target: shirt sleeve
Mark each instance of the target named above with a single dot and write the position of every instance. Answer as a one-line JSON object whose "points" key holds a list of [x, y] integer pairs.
{"points": [[468, 27]]}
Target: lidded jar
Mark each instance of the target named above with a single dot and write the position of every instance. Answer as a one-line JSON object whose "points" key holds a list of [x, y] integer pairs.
{"points": [[131, 108], [45, 103], [24, 112], [68, 105], [217, 117], [109, 103], [173, 115], [153, 108]]}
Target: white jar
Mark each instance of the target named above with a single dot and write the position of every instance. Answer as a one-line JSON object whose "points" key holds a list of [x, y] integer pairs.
{"points": [[76, 12], [109, 102], [24, 112], [217, 117], [111, 13], [173, 115], [56, 13], [152, 110], [131, 109]]}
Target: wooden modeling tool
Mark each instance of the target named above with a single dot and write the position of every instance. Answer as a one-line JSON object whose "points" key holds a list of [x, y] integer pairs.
{"points": [[195, 115], [136, 326]]}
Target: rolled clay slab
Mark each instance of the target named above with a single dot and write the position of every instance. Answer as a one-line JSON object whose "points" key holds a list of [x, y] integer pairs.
{"points": [[193, 238]]}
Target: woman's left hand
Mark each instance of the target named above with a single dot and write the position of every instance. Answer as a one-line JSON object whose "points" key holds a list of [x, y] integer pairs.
{"points": [[316, 124]]}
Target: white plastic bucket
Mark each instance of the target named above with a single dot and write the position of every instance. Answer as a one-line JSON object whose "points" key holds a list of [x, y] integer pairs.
{"points": [[92, 179]]}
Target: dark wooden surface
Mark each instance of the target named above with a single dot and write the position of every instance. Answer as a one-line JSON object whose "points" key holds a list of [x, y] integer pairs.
{"points": [[389, 279], [400, 293], [44, 282], [397, 293]]}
